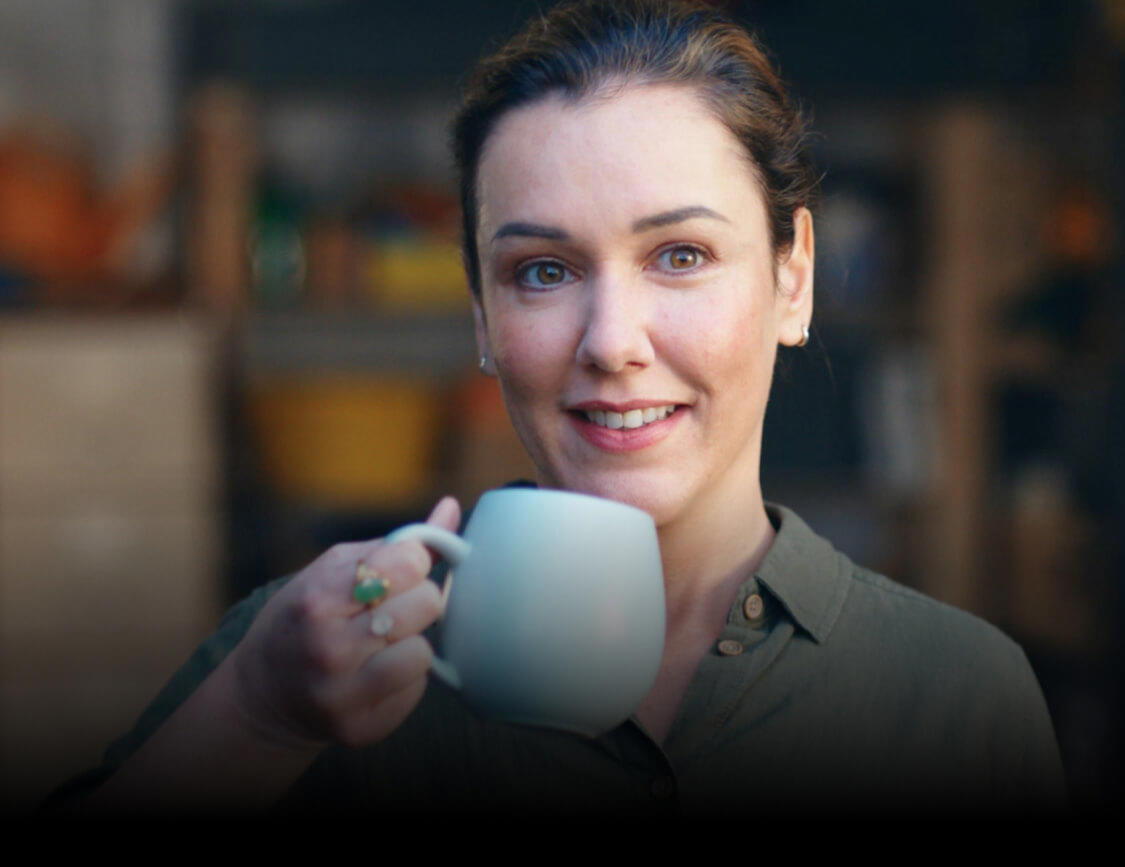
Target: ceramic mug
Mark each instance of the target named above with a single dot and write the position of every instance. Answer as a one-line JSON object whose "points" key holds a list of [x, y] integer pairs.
{"points": [[555, 608]]}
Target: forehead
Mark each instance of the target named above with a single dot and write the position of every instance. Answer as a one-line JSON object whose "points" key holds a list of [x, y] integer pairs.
{"points": [[622, 153]]}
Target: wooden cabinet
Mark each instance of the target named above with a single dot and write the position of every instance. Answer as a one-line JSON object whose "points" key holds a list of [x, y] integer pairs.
{"points": [[109, 566]]}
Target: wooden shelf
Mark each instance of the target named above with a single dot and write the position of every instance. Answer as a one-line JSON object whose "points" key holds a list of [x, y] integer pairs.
{"points": [[426, 345]]}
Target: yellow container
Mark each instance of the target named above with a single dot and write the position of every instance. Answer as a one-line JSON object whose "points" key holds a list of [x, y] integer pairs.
{"points": [[416, 275], [363, 442]]}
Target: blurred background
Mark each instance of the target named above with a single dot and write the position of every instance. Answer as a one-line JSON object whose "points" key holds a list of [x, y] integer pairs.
{"points": [[234, 331]]}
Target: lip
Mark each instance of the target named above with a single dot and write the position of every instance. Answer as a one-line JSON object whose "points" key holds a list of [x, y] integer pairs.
{"points": [[621, 441], [610, 406]]}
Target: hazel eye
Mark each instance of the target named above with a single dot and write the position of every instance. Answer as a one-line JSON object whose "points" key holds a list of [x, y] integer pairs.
{"points": [[680, 258], [544, 274]]}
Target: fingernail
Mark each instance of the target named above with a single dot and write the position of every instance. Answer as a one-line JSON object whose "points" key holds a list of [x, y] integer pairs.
{"points": [[442, 506]]}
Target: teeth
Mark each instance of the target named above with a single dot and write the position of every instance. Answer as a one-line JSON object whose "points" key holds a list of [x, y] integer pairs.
{"points": [[634, 418]]}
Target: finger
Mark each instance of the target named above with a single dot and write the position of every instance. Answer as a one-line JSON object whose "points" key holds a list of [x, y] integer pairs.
{"points": [[399, 566], [392, 669], [334, 570], [406, 614], [446, 514], [372, 724], [383, 674]]}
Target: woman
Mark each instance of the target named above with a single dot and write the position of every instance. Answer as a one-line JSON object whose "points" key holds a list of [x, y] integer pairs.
{"points": [[638, 242]]}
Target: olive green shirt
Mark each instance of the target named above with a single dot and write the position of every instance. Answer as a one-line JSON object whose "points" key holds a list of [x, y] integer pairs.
{"points": [[830, 686]]}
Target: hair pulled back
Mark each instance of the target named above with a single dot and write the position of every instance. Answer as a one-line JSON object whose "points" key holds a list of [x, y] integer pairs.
{"points": [[577, 47]]}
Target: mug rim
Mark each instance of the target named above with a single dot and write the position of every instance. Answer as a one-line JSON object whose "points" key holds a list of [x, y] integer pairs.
{"points": [[563, 493]]}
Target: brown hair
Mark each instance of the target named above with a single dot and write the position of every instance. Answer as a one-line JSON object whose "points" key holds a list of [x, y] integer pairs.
{"points": [[578, 46]]}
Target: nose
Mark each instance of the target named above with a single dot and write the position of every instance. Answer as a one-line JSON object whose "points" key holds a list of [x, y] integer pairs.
{"points": [[615, 335]]}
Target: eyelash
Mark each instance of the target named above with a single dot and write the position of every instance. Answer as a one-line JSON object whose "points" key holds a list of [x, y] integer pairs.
{"points": [[524, 269]]}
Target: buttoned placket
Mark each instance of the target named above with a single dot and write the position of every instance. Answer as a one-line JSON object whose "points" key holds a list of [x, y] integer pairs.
{"points": [[753, 637]]}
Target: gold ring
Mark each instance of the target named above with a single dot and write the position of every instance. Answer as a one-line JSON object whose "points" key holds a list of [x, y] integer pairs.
{"points": [[370, 588]]}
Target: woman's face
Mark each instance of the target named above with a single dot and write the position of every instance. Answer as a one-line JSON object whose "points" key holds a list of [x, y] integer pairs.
{"points": [[629, 304]]}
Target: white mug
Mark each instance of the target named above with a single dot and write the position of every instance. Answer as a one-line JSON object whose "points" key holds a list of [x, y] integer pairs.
{"points": [[555, 608]]}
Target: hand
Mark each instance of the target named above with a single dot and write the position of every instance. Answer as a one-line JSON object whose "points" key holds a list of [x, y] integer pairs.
{"points": [[310, 671]]}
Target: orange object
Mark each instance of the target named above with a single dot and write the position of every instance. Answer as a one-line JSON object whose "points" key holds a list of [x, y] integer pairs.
{"points": [[332, 264], [347, 441], [1077, 229], [480, 405], [54, 224]]}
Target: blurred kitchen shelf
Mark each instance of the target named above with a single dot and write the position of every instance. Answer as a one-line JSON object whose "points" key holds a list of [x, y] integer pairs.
{"points": [[903, 324], [110, 535], [280, 46], [427, 345]]}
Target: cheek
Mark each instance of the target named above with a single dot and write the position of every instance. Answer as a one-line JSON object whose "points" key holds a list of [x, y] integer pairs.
{"points": [[530, 354], [719, 340]]}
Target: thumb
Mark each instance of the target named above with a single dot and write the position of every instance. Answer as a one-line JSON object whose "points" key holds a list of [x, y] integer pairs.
{"points": [[446, 514]]}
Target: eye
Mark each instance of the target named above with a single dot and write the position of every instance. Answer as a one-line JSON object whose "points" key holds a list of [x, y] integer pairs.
{"points": [[543, 274], [680, 258]]}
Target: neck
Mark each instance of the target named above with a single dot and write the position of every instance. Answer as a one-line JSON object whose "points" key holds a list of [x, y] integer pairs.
{"points": [[709, 552]]}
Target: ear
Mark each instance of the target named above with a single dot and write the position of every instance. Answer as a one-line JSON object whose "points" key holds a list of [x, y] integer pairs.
{"points": [[480, 328], [795, 282]]}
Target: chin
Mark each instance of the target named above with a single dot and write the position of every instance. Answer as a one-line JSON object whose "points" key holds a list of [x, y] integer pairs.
{"points": [[659, 499]]}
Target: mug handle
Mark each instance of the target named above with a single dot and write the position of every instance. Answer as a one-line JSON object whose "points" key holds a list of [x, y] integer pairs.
{"points": [[454, 549]]}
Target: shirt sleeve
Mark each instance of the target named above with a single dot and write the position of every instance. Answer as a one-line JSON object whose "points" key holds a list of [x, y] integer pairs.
{"points": [[1032, 770]]}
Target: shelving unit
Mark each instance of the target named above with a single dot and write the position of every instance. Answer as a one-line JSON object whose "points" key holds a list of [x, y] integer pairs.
{"points": [[887, 432], [435, 346], [887, 429], [921, 431], [110, 558], [899, 464]]}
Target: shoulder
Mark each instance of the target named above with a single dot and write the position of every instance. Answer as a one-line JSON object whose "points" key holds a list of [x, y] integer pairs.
{"points": [[929, 646], [903, 617], [971, 683], [841, 604], [938, 688], [878, 641]]}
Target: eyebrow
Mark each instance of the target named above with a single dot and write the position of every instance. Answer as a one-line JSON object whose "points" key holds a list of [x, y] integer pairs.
{"points": [[667, 218], [530, 230], [664, 218]]}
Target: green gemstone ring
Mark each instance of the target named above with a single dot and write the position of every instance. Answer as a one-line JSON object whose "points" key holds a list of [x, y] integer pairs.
{"points": [[370, 587]]}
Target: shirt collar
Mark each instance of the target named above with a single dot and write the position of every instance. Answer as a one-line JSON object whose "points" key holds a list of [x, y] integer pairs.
{"points": [[804, 573], [801, 570]]}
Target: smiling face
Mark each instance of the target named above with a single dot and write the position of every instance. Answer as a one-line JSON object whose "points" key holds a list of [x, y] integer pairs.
{"points": [[628, 298]]}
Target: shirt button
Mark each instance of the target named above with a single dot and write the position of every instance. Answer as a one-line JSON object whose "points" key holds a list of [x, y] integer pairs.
{"points": [[730, 647], [663, 788], [753, 607]]}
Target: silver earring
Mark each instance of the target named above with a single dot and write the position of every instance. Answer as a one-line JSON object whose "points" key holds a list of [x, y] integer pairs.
{"points": [[483, 362], [804, 336]]}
